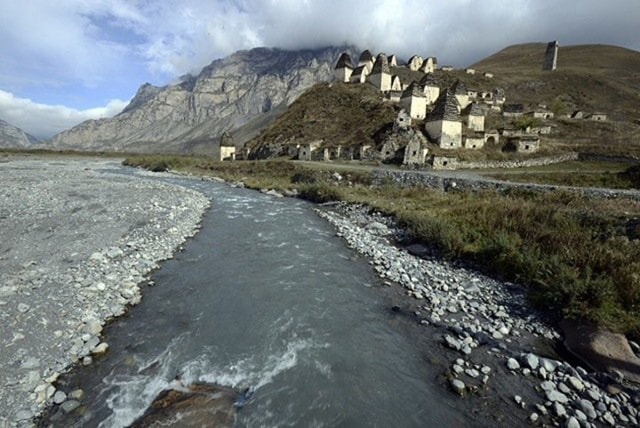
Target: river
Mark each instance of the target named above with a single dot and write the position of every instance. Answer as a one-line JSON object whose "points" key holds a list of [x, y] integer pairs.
{"points": [[266, 297]]}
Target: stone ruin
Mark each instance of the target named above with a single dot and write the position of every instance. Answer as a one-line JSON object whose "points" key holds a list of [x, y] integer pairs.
{"points": [[551, 56], [226, 149], [454, 116]]}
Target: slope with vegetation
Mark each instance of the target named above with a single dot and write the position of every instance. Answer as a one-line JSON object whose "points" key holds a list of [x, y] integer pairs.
{"points": [[338, 114], [591, 78]]}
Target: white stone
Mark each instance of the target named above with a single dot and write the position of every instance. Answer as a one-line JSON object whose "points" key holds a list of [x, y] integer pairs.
{"points": [[576, 383], [100, 349], [531, 361], [458, 386], [572, 423], [548, 386], [59, 397], [557, 397], [559, 410], [70, 406], [94, 327], [513, 364]]}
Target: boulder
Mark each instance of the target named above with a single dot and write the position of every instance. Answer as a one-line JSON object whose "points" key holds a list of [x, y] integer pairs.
{"points": [[601, 349], [198, 404]]}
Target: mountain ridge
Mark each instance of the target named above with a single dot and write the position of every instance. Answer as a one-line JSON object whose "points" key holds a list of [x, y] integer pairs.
{"points": [[13, 137], [227, 94]]}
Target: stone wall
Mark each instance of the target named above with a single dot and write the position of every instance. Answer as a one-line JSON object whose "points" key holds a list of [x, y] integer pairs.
{"points": [[450, 182], [519, 163]]}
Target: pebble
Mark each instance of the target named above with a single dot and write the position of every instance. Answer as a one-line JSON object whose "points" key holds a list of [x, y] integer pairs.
{"points": [[59, 397], [559, 410], [458, 386], [572, 423], [513, 364], [531, 361], [608, 418], [586, 407], [593, 395], [472, 373], [100, 349], [548, 386], [77, 394], [576, 383], [557, 396], [70, 406]]}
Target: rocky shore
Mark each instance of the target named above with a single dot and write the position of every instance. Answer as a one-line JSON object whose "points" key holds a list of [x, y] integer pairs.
{"points": [[496, 342], [77, 241]]}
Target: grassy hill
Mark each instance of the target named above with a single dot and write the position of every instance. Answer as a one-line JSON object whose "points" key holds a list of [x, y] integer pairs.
{"points": [[589, 78], [337, 113]]}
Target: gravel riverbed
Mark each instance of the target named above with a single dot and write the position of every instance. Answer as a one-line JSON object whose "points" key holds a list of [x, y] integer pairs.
{"points": [[494, 338], [76, 242]]}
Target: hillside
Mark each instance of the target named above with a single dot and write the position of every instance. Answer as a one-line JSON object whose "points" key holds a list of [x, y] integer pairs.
{"points": [[591, 78], [339, 114]]}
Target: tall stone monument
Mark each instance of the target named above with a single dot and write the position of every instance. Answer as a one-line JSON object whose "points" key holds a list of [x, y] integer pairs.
{"points": [[551, 56]]}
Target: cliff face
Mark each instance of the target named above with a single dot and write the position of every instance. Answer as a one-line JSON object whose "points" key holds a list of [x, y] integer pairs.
{"points": [[192, 114], [13, 137]]}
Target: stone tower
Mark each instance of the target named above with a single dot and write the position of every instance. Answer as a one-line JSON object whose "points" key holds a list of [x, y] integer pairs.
{"points": [[551, 56]]}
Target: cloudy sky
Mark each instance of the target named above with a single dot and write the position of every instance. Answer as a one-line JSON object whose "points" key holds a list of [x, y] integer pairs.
{"points": [[65, 61]]}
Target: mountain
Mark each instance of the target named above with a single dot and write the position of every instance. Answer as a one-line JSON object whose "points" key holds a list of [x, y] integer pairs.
{"points": [[13, 137], [244, 91]]}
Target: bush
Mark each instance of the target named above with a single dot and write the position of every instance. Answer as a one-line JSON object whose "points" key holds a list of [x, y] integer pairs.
{"points": [[320, 193], [632, 174], [306, 176]]}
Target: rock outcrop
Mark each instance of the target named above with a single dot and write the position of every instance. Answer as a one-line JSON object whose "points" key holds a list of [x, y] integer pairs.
{"points": [[192, 114], [13, 137]]}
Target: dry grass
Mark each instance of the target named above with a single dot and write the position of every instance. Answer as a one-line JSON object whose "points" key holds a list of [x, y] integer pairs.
{"points": [[610, 175]]}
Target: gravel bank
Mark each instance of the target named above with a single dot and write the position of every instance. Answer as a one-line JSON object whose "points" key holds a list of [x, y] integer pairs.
{"points": [[495, 340], [76, 241]]}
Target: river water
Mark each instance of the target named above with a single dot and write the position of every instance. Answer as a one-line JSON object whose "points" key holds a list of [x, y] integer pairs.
{"points": [[265, 296]]}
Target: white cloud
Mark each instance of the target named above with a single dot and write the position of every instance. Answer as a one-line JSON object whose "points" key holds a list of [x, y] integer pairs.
{"points": [[91, 40], [43, 120], [188, 34], [102, 49]]}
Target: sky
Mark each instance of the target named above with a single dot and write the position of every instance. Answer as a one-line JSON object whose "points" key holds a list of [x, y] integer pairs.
{"points": [[66, 61]]}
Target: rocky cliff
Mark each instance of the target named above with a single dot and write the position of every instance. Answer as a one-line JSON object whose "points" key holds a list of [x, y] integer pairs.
{"points": [[13, 137], [190, 115]]}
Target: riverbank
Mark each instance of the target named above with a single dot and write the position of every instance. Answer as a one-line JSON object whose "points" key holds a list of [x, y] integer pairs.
{"points": [[498, 347], [77, 243]]}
